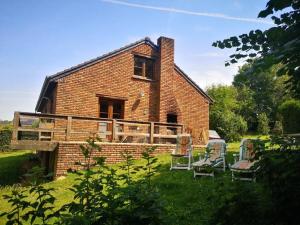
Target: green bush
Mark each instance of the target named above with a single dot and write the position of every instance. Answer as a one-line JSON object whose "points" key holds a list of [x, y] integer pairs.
{"points": [[277, 129], [230, 126], [5, 138], [100, 195], [290, 112], [273, 200], [263, 124]]}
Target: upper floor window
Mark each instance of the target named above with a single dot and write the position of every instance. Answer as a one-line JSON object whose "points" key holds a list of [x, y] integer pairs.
{"points": [[144, 67]]}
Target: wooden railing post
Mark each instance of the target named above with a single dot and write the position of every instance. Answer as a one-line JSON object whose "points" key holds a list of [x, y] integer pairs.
{"points": [[151, 132], [113, 130], [16, 125], [69, 128]]}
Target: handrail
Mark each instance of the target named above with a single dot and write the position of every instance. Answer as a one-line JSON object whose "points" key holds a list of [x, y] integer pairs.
{"points": [[66, 127], [47, 115]]}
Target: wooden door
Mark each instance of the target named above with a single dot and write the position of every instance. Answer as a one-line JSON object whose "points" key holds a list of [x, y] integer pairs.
{"points": [[111, 109]]}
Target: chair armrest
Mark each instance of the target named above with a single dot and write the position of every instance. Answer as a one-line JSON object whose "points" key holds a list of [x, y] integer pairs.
{"points": [[236, 157]]}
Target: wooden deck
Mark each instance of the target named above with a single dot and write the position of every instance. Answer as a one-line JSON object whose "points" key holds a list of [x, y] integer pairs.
{"points": [[43, 131]]}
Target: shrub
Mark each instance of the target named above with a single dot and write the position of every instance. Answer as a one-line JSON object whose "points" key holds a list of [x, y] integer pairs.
{"points": [[290, 112], [274, 200], [277, 129], [241, 203], [280, 176], [263, 124], [230, 126], [5, 138], [101, 195]]}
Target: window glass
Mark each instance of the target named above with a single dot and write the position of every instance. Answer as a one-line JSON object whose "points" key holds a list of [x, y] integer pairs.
{"points": [[143, 67], [103, 109]]}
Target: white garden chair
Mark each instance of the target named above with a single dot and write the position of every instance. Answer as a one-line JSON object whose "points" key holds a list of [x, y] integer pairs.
{"points": [[182, 155], [214, 159]]}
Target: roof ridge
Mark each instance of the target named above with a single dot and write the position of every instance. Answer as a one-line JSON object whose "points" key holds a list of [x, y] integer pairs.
{"points": [[193, 83], [89, 62], [145, 39]]}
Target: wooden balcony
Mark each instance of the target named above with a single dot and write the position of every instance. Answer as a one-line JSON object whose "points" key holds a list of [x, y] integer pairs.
{"points": [[43, 131]]}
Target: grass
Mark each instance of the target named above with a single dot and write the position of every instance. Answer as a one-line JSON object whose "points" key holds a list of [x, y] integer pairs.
{"points": [[187, 199], [10, 166]]}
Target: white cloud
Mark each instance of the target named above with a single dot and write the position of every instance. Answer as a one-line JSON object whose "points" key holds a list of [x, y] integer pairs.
{"points": [[188, 12]]}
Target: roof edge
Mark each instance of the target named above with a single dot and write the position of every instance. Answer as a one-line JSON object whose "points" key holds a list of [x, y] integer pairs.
{"points": [[66, 72], [196, 86]]}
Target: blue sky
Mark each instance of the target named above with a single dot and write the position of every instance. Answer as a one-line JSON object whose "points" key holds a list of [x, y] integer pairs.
{"points": [[39, 38]]}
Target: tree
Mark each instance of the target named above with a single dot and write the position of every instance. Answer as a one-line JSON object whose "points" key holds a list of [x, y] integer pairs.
{"points": [[263, 124], [223, 115], [279, 44], [260, 91], [290, 112]]}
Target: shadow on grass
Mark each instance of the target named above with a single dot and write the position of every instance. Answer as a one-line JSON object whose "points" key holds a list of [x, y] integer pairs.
{"points": [[189, 200], [11, 164]]}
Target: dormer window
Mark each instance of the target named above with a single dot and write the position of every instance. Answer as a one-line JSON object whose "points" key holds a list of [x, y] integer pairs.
{"points": [[144, 67]]}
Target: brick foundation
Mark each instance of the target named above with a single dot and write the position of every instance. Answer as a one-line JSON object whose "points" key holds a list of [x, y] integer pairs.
{"points": [[69, 152]]}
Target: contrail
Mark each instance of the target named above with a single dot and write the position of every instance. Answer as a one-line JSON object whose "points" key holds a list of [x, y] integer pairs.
{"points": [[187, 12]]}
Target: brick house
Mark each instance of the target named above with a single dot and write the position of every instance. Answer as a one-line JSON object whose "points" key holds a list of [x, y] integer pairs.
{"points": [[139, 82]]}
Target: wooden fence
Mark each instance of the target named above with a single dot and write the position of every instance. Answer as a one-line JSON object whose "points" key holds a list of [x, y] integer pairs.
{"points": [[54, 128]]}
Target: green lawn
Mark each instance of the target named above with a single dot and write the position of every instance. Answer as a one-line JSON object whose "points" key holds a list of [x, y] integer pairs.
{"points": [[186, 198], [10, 163]]}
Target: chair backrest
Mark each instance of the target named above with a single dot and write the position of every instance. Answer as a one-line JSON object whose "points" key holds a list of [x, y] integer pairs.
{"points": [[183, 144], [247, 151], [216, 148]]}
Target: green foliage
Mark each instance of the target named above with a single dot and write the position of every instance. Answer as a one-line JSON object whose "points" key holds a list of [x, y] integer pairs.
{"points": [[223, 113], [274, 200], [101, 198], [18, 202], [101, 195], [241, 203], [35, 176], [276, 45], [263, 124], [23, 210], [42, 208], [290, 112], [278, 128], [12, 166], [266, 92], [280, 176], [5, 138]]}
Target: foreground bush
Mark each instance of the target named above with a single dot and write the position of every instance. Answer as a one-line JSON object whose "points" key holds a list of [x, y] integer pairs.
{"points": [[274, 200], [101, 195]]}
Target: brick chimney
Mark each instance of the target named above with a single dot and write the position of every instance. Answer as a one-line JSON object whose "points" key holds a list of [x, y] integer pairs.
{"points": [[167, 102]]}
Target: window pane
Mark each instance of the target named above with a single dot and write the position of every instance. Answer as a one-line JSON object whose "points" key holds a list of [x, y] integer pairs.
{"points": [[149, 69], [138, 71], [117, 110], [138, 61], [103, 109]]}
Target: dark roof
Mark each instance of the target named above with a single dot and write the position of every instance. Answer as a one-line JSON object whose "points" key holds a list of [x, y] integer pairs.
{"points": [[70, 70]]}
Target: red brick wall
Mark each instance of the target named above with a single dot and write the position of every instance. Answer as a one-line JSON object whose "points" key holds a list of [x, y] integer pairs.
{"points": [[69, 153], [76, 93], [193, 110], [168, 93]]}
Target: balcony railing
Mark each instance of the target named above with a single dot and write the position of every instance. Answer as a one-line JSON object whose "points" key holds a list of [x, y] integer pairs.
{"points": [[55, 128]]}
